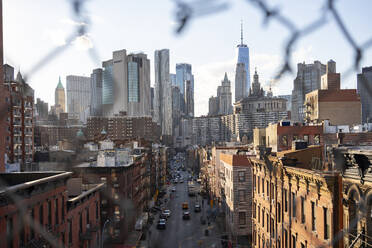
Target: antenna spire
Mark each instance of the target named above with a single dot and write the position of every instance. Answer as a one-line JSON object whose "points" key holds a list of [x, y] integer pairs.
{"points": [[241, 32]]}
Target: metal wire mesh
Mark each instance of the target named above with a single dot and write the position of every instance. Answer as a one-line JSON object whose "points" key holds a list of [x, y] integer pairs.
{"points": [[187, 11]]}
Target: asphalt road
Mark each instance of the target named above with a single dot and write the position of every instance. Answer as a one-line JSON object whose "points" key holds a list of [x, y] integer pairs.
{"points": [[181, 233]]}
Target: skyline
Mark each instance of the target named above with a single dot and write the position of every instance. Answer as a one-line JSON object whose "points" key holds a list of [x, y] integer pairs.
{"points": [[208, 44]]}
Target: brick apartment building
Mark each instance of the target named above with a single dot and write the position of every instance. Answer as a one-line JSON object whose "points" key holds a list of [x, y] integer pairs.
{"points": [[236, 183], [123, 127], [123, 198], [3, 125], [39, 209], [296, 202], [19, 98], [50, 135]]}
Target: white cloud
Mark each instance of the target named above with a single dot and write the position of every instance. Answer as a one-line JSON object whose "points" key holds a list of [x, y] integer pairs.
{"points": [[83, 42]]}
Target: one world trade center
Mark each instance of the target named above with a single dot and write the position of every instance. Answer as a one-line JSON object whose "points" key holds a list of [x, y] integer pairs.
{"points": [[242, 73]]}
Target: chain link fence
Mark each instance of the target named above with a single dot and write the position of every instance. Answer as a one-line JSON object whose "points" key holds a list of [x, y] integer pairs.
{"points": [[185, 12]]}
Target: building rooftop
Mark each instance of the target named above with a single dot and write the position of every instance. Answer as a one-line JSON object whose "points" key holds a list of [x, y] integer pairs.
{"points": [[11, 182]]}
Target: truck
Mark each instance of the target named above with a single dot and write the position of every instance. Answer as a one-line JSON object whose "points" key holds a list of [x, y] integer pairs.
{"points": [[191, 188]]}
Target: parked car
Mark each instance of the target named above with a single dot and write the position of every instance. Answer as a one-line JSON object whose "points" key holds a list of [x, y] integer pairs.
{"points": [[197, 207], [161, 224], [174, 189], [167, 213], [162, 216], [186, 215]]}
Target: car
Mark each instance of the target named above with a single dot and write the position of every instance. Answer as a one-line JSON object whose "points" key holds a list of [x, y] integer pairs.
{"points": [[181, 181], [197, 207], [161, 224], [162, 216], [175, 180], [186, 215], [167, 213], [174, 189]]}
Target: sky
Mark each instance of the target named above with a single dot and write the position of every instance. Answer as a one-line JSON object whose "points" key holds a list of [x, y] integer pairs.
{"points": [[33, 28]]}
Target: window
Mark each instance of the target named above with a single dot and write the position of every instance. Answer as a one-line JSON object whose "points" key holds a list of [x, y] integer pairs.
{"points": [[306, 138], [242, 220], [279, 212], [317, 139], [63, 208], [258, 214], [263, 218], [81, 223], [258, 184], [284, 140], [302, 245], [41, 217], [293, 241], [254, 183], [263, 186], [87, 216], [272, 229], [326, 224], [70, 231], [285, 238], [313, 217], [254, 210], [97, 211], [293, 205], [267, 222], [241, 194], [9, 231], [50, 213], [32, 233], [241, 176], [272, 191], [302, 209], [56, 211], [285, 200]]}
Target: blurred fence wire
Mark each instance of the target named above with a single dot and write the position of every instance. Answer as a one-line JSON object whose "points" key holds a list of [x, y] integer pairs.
{"points": [[185, 13]]}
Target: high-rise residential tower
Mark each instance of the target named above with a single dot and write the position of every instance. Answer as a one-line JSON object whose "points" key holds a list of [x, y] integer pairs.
{"points": [[107, 88], [364, 87], [78, 96], [138, 81], [307, 80], [242, 86], [184, 74], [59, 98], [163, 94], [96, 92], [126, 84]]}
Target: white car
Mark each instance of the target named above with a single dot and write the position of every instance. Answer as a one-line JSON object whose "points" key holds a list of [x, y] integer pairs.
{"points": [[167, 213], [174, 189]]}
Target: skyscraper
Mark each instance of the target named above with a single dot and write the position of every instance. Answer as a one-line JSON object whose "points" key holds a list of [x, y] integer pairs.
{"points": [[189, 99], [78, 96], [224, 97], [184, 74], [240, 82], [107, 88], [139, 93], [364, 87], [308, 79], [243, 58], [126, 84], [173, 78], [96, 92], [59, 98], [163, 94]]}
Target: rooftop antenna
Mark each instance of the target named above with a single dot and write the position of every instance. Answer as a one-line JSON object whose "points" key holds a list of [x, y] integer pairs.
{"points": [[241, 32]]}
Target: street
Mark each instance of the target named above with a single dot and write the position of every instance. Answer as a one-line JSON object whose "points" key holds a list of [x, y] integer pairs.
{"points": [[179, 232]]}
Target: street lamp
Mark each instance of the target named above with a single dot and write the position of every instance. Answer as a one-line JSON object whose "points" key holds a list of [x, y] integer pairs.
{"points": [[103, 231]]}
